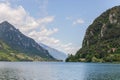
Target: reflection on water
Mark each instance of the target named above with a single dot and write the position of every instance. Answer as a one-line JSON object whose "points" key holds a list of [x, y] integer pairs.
{"points": [[9, 74], [58, 71], [24, 71]]}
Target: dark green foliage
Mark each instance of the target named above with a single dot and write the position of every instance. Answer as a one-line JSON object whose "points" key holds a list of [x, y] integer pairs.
{"points": [[102, 39]]}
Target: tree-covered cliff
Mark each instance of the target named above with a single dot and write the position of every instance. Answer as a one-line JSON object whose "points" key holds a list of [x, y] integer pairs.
{"points": [[102, 39]]}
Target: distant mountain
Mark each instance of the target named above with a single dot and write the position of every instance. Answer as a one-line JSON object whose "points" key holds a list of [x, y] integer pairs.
{"points": [[55, 53], [102, 39], [19, 46]]}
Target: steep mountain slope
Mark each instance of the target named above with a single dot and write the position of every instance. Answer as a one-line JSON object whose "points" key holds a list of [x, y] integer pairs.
{"points": [[55, 53], [20, 43], [8, 54], [102, 39]]}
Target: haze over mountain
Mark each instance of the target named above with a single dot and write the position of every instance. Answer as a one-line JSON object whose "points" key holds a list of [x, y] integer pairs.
{"points": [[16, 46], [55, 53], [102, 39]]}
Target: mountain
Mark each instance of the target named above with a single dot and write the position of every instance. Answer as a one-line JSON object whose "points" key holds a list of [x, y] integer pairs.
{"points": [[18, 46], [102, 39], [55, 53]]}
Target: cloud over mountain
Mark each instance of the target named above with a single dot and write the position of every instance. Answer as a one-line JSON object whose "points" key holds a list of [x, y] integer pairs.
{"points": [[32, 27]]}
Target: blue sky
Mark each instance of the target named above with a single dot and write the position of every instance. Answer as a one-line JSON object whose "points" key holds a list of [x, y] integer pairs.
{"points": [[60, 24]]}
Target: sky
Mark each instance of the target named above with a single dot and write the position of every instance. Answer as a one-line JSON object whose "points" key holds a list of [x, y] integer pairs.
{"points": [[60, 24]]}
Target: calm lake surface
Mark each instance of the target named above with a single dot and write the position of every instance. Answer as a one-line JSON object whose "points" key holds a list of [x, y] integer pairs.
{"points": [[58, 71]]}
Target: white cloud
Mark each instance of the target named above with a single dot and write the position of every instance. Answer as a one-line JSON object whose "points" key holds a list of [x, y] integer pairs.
{"points": [[34, 28], [46, 20], [20, 18], [44, 37], [69, 18], [42, 7], [78, 21]]}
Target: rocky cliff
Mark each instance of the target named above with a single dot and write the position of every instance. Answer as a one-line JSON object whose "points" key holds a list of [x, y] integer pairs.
{"points": [[102, 39]]}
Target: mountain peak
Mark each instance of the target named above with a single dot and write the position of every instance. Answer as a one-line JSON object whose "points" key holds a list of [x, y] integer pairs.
{"points": [[5, 22], [6, 25], [21, 43]]}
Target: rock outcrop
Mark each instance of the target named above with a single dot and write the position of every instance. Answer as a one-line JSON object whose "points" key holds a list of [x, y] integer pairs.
{"points": [[102, 39]]}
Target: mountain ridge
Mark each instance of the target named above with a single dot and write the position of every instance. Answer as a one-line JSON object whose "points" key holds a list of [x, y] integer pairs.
{"points": [[55, 53], [17, 41]]}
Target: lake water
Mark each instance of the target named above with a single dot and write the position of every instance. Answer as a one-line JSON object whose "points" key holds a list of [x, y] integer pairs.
{"points": [[58, 71]]}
